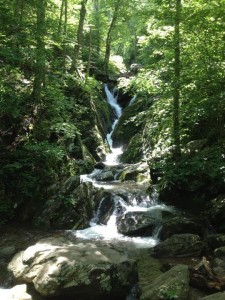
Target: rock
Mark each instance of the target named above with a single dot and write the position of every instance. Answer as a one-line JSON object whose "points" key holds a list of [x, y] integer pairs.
{"points": [[57, 266], [215, 213], [137, 172], [220, 252], [141, 223], [136, 223], [215, 241], [133, 153], [70, 211], [106, 208], [7, 251], [179, 245], [216, 296], [173, 284], [100, 166], [70, 184], [178, 225], [105, 176], [18, 292]]}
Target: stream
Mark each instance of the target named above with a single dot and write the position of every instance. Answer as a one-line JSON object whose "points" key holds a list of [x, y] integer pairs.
{"points": [[128, 197]]}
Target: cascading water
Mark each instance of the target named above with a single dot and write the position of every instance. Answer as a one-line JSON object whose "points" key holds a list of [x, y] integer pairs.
{"points": [[112, 157], [136, 199]]}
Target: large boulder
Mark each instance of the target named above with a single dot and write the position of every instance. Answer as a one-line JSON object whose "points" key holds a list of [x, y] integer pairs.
{"points": [[70, 211], [178, 225], [173, 284], [215, 240], [179, 245], [58, 267], [215, 213], [138, 172], [141, 223], [216, 296], [18, 292]]}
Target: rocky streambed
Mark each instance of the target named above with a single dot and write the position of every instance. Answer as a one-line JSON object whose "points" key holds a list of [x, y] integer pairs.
{"points": [[187, 263]]}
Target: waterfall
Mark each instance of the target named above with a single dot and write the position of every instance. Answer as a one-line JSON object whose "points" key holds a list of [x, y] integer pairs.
{"points": [[128, 199], [112, 157]]}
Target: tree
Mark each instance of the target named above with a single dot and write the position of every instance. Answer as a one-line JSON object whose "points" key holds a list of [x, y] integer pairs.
{"points": [[176, 83], [115, 14], [80, 34], [39, 76]]}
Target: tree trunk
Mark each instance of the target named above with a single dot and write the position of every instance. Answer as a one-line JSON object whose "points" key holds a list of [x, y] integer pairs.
{"points": [[176, 89], [65, 35], [39, 78], [89, 55], [79, 42], [109, 35], [60, 18], [97, 26]]}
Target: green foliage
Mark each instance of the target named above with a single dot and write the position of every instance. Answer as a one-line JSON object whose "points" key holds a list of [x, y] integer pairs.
{"points": [[201, 173]]}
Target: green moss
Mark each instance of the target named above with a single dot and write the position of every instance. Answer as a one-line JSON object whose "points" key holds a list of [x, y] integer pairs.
{"points": [[133, 153]]}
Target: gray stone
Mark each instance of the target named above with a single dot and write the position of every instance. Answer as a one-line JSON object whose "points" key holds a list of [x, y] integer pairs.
{"points": [[179, 245], [220, 252], [173, 284], [179, 225], [137, 172], [216, 296], [105, 176], [57, 266], [7, 251], [18, 292]]}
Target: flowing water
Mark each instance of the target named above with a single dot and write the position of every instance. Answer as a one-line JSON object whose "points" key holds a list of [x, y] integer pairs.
{"points": [[136, 198]]}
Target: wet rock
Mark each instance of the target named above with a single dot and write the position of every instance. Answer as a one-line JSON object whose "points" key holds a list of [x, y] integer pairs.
{"points": [[100, 166], [136, 223], [105, 210], [18, 292], [137, 172], [141, 223], [70, 211], [173, 284], [57, 266], [179, 245], [105, 176]]}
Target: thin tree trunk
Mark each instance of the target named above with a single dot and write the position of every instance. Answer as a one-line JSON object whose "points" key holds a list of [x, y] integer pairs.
{"points": [[40, 51], [176, 91], [18, 15], [97, 26], [60, 18], [65, 35], [79, 42], [109, 35], [89, 55]]}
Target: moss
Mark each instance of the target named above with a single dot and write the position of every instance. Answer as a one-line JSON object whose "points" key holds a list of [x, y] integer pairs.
{"points": [[133, 153]]}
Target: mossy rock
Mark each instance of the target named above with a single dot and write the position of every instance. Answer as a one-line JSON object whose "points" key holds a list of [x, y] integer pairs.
{"points": [[137, 172], [131, 122], [133, 153]]}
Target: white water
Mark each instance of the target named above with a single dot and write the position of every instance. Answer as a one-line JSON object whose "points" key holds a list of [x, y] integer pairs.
{"points": [[112, 157], [135, 203]]}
